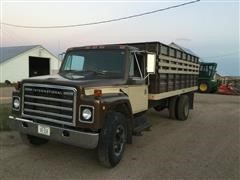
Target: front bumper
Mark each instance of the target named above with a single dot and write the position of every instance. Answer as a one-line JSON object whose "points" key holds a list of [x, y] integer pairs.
{"points": [[77, 138]]}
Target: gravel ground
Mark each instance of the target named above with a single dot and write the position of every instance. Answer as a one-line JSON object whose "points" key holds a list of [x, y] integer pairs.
{"points": [[206, 146]]}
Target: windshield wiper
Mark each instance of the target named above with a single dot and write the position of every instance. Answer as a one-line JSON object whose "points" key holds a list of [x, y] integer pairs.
{"points": [[104, 72], [68, 71], [77, 71], [86, 73]]}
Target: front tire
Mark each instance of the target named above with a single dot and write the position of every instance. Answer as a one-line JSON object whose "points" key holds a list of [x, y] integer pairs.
{"points": [[112, 139], [32, 140]]}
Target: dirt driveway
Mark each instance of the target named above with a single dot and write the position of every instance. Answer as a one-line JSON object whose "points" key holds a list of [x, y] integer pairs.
{"points": [[205, 146]]}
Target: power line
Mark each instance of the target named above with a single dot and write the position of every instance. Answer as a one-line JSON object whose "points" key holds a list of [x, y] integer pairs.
{"points": [[100, 22]]}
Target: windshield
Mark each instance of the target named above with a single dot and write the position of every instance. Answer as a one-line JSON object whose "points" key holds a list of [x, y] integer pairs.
{"points": [[99, 63]]}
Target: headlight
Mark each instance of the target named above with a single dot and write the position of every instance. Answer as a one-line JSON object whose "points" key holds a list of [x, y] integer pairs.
{"points": [[16, 103], [86, 114]]}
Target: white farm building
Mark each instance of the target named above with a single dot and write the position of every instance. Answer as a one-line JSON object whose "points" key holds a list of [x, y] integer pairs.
{"points": [[20, 62]]}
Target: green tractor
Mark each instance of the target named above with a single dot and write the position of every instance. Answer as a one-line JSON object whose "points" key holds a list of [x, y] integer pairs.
{"points": [[206, 81]]}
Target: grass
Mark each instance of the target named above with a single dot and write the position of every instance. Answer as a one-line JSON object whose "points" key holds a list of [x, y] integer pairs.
{"points": [[4, 112], [5, 85]]}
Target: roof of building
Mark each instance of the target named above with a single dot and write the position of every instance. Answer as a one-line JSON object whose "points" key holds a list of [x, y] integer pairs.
{"points": [[186, 50], [208, 63], [10, 52]]}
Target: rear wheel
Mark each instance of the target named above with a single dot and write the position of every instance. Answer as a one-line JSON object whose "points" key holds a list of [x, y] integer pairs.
{"points": [[183, 106], [172, 106], [112, 139], [33, 140]]}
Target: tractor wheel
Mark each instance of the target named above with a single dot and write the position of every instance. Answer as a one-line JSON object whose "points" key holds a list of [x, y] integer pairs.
{"points": [[203, 87]]}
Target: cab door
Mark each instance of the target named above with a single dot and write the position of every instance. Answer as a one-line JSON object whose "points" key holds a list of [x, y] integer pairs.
{"points": [[138, 95], [137, 87]]}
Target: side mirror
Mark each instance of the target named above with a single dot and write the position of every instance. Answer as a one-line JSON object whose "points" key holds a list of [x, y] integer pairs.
{"points": [[151, 63]]}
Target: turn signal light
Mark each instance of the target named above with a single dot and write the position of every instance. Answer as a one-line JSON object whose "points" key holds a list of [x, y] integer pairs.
{"points": [[97, 92]]}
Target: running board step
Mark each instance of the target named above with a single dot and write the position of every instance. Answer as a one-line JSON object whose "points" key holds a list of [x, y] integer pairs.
{"points": [[141, 124]]}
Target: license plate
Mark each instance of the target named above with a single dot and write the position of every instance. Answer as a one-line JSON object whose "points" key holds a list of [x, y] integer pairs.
{"points": [[45, 130]]}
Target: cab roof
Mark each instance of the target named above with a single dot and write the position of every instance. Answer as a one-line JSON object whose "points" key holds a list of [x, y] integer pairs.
{"points": [[110, 47]]}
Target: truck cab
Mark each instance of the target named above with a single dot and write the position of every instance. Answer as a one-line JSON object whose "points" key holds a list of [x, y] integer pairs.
{"points": [[99, 97]]}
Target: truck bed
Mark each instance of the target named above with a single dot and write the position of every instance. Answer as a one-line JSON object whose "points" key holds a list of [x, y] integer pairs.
{"points": [[176, 69]]}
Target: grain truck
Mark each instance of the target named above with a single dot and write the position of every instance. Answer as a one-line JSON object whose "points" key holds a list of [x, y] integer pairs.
{"points": [[101, 94]]}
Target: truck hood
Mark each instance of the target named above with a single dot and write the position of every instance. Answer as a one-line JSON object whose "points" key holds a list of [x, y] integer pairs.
{"points": [[59, 80]]}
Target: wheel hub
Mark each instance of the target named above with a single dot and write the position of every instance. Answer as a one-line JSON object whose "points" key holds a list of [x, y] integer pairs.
{"points": [[119, 140], [203, 87]]}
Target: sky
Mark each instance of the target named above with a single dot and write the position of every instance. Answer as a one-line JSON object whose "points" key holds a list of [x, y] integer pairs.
{"points": [[209, 28]]}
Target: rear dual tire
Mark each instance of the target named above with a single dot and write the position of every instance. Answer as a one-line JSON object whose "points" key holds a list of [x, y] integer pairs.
{"points": [[179, 107], [183, 108]]}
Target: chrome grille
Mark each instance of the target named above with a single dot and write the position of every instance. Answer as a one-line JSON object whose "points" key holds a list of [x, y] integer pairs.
{"points": [[49, 103]]}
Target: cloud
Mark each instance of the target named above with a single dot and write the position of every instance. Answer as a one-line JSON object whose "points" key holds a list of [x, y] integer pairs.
{"points": [[183, 39]]}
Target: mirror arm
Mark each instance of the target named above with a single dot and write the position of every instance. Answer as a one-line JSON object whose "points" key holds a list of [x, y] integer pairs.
{"points": [[138, 64], [146, 76]]}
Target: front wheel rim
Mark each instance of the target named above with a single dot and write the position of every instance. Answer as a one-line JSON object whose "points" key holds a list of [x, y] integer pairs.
{"points": [[119, 140]]}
